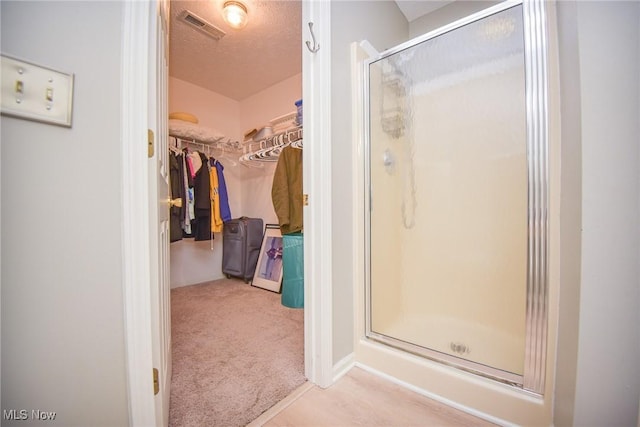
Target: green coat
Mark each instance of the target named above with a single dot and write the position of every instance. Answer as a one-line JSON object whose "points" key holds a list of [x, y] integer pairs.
{"points": [[286, 191]]}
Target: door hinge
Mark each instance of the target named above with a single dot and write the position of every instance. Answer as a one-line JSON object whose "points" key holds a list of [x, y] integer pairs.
{"points": [[156, 381], [305, 199], [150, 142]]}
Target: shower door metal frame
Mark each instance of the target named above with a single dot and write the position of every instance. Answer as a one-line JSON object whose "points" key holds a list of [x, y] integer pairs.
{"points": [[536, 96]]}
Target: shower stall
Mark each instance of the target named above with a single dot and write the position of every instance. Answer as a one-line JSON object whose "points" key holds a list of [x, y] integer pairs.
{"points": [[456, 196]]}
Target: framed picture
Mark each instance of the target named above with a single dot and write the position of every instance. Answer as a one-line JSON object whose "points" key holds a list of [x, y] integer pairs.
{"points": [[268, 273]]}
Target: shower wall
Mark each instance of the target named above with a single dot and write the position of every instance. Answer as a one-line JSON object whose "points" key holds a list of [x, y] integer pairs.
{"points": [[448, 175]]}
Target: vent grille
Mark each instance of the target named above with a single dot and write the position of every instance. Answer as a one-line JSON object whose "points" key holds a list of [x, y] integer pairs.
{"points": [[201, 25], [193, 21]]}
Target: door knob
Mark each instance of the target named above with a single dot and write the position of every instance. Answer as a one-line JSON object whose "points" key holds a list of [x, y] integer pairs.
{"points": [[175, 203]]}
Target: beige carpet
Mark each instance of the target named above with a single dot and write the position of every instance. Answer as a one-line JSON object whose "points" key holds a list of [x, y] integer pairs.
{"points": [[236, 352]]}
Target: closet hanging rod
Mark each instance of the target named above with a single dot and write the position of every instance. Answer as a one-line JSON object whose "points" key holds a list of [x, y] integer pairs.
{"points": [[220, 143]]}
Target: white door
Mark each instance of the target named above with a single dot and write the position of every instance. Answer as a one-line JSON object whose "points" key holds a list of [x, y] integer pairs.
{"points": [[159, 196], [145, 208]]}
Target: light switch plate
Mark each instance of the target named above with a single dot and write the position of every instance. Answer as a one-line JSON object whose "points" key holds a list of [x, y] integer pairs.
{"points": [[34, 92]]}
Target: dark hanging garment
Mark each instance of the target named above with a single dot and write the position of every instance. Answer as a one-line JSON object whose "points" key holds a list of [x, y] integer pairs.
{"points": [[187, 201], [286, 191], [183, 192], [176, 213], [202, 196]]}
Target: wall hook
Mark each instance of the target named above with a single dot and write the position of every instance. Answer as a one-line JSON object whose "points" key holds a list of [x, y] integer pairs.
{"points": [[316, 47]]}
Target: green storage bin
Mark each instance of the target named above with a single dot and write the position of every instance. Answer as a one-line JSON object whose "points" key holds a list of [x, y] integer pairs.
{"points": [[293, 270]]}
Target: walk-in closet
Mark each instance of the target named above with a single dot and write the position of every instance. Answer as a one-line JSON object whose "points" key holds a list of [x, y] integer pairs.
{"points": [[236, 263]]}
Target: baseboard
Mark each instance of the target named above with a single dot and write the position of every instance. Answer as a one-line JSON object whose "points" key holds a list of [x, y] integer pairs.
{"points": [[434, 396], [343, 366]]}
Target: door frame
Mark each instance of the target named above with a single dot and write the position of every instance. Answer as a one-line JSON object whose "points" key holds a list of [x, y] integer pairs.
{"points": [[318, 271], [135, 205]]}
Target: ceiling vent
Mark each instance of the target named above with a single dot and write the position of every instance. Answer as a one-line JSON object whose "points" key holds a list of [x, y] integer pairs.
{"points": [[201, 25]]}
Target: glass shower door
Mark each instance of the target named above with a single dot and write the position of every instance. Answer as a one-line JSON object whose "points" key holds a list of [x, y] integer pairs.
{"points": [[449, 184]]}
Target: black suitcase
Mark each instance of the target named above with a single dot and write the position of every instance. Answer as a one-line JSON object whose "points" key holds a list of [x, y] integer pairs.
{"points": [[241, 241]]}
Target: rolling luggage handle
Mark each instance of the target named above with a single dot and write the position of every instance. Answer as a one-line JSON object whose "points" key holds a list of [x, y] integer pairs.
{"points": [[234, 228]]}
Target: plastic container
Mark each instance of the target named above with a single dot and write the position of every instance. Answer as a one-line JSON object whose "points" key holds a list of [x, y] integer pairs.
{"points": [[299, 112], [293, 270]]}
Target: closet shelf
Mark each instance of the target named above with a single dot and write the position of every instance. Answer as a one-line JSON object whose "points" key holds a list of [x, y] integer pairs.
{"points": [[264, 150]]}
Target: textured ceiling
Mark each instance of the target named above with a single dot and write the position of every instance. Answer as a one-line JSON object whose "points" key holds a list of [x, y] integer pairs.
{"points": [[244, 62]]}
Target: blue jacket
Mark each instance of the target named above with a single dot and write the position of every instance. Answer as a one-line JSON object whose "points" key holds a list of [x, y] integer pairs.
{"points": [[225, 212]]}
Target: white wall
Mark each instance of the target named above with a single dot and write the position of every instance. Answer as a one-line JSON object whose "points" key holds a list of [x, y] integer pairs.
{"points": [[275, 101], [249, 188], [598, 380], [608, 373], [196, 262], [257, 111], [383, 25], [571, 215], [212, 109], [62, 307], [445, 15]]}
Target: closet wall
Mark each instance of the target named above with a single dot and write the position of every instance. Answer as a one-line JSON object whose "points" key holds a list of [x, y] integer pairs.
{"points": [[195, 262], [255, 112], [249, 187]]}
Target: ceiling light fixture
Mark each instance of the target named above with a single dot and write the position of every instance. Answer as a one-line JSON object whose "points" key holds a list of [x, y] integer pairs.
{"points": [[235, 13]]}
